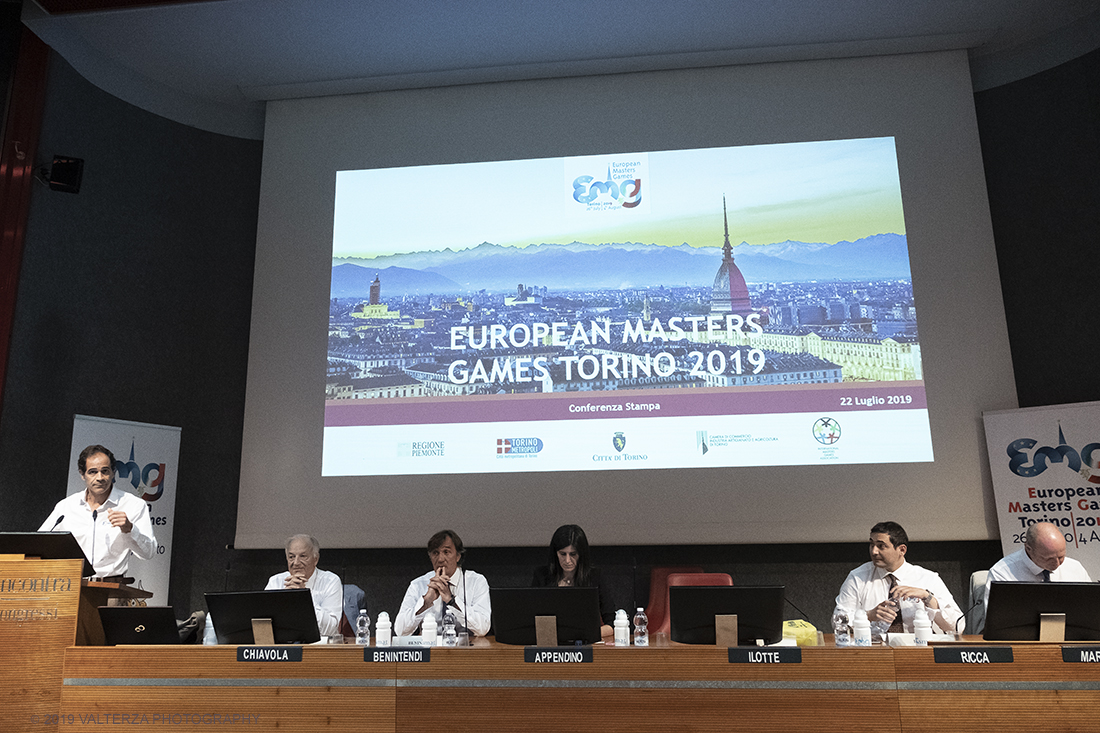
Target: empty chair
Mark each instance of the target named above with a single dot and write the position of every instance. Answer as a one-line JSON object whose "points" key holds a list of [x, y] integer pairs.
{"points": [[354, 600], [975, 618], [688, 579], [657, 609]]}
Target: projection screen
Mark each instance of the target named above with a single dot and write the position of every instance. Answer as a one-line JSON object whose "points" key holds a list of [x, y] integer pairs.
{"points": [[739, 304]]}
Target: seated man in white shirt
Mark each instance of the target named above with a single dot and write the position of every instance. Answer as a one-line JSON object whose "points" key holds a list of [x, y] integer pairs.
{"points": [[109, 524], [878, 586], [1041, 560], [446, 588], [302, 554], [303, 551]]}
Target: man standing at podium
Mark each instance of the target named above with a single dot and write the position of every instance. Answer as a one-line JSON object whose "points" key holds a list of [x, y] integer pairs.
{"points": [[109, 523], [878, 586], [1042, 559]]}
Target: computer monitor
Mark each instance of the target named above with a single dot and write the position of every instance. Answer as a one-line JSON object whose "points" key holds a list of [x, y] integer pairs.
{"points": [[759, 610], [46, 545], [293, 619], [139, 625], [577, 611], [1014, 610]]}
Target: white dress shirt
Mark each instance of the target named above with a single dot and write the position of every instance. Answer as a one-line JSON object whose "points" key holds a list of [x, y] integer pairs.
{"points": [[328, 597], [108, 547], [867, 586], [471, 607], [1019, 567]]}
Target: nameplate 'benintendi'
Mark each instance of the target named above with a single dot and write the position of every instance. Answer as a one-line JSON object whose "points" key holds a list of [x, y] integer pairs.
{"points": [[398, 654]]}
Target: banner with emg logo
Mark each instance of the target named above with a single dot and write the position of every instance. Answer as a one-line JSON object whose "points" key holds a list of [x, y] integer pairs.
{"points": [[1045, 463], [146, 465]]}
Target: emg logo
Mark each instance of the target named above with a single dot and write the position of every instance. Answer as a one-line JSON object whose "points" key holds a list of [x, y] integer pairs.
{"points": [[1027, 463], [586, 190], [150, 476]]}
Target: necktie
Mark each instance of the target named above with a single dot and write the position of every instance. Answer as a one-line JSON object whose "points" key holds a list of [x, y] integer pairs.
{"points": [[896, 627], [1046, 576]]}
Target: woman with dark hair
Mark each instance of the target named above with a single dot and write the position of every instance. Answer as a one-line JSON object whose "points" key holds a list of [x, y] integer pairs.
{"points": [[568, 564]]}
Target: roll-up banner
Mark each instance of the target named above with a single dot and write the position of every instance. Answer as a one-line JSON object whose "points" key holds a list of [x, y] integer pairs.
{"points": [[1045, 463]]}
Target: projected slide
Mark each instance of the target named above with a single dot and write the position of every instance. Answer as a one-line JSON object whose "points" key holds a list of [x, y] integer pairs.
{"points": [[717, 307]]}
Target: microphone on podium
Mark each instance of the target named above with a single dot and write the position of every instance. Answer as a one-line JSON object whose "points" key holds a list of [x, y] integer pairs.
{"points": [[59, 520]]}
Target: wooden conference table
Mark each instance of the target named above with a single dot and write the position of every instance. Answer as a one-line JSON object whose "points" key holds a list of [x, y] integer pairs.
{"points": [[490, 687]]}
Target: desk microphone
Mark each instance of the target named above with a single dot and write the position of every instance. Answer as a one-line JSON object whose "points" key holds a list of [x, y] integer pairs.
{"points": [[967, 611], [788, 600], [95, 513], [59, 520]]}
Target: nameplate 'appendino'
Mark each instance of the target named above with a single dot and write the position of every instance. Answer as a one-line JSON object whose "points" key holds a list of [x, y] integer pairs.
{"points": [[557, 654]]}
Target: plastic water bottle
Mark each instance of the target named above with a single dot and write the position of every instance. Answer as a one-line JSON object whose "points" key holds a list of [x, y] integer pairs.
{"points": [[429, 629], [622, 628], [922, 627], [450, 634], [383, 631], [362, 628], [209, 636], [641, 628], [841, 631], [861, 629]]}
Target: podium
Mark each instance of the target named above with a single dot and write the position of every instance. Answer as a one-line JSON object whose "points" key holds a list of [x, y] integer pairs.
{"points": [[39, 601], [93, 594]]}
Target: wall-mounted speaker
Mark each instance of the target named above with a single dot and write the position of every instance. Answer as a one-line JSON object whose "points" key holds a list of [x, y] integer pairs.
{"points": [[65, 174]]}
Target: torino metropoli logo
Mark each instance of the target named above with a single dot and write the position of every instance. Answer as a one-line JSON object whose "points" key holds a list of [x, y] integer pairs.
{"points": [[515, 447]]}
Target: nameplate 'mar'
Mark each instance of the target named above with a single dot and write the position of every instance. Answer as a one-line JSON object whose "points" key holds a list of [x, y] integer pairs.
{"points": [[557, 654], [397, 654], [972, 654], [1081, 654], [269, 654], [774, 655]]}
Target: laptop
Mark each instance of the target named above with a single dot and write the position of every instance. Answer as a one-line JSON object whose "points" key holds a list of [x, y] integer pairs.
{"points": [[139, 625], [577, 611]]}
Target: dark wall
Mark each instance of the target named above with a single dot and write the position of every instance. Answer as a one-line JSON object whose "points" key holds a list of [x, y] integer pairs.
{"points": [[134, 303], [1041, 144], [9, 44]]}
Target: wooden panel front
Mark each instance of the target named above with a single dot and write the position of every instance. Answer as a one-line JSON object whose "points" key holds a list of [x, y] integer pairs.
{"points": [[201, 688], [491, 688], [681, 687], [38, 612], [1036, 691]]}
